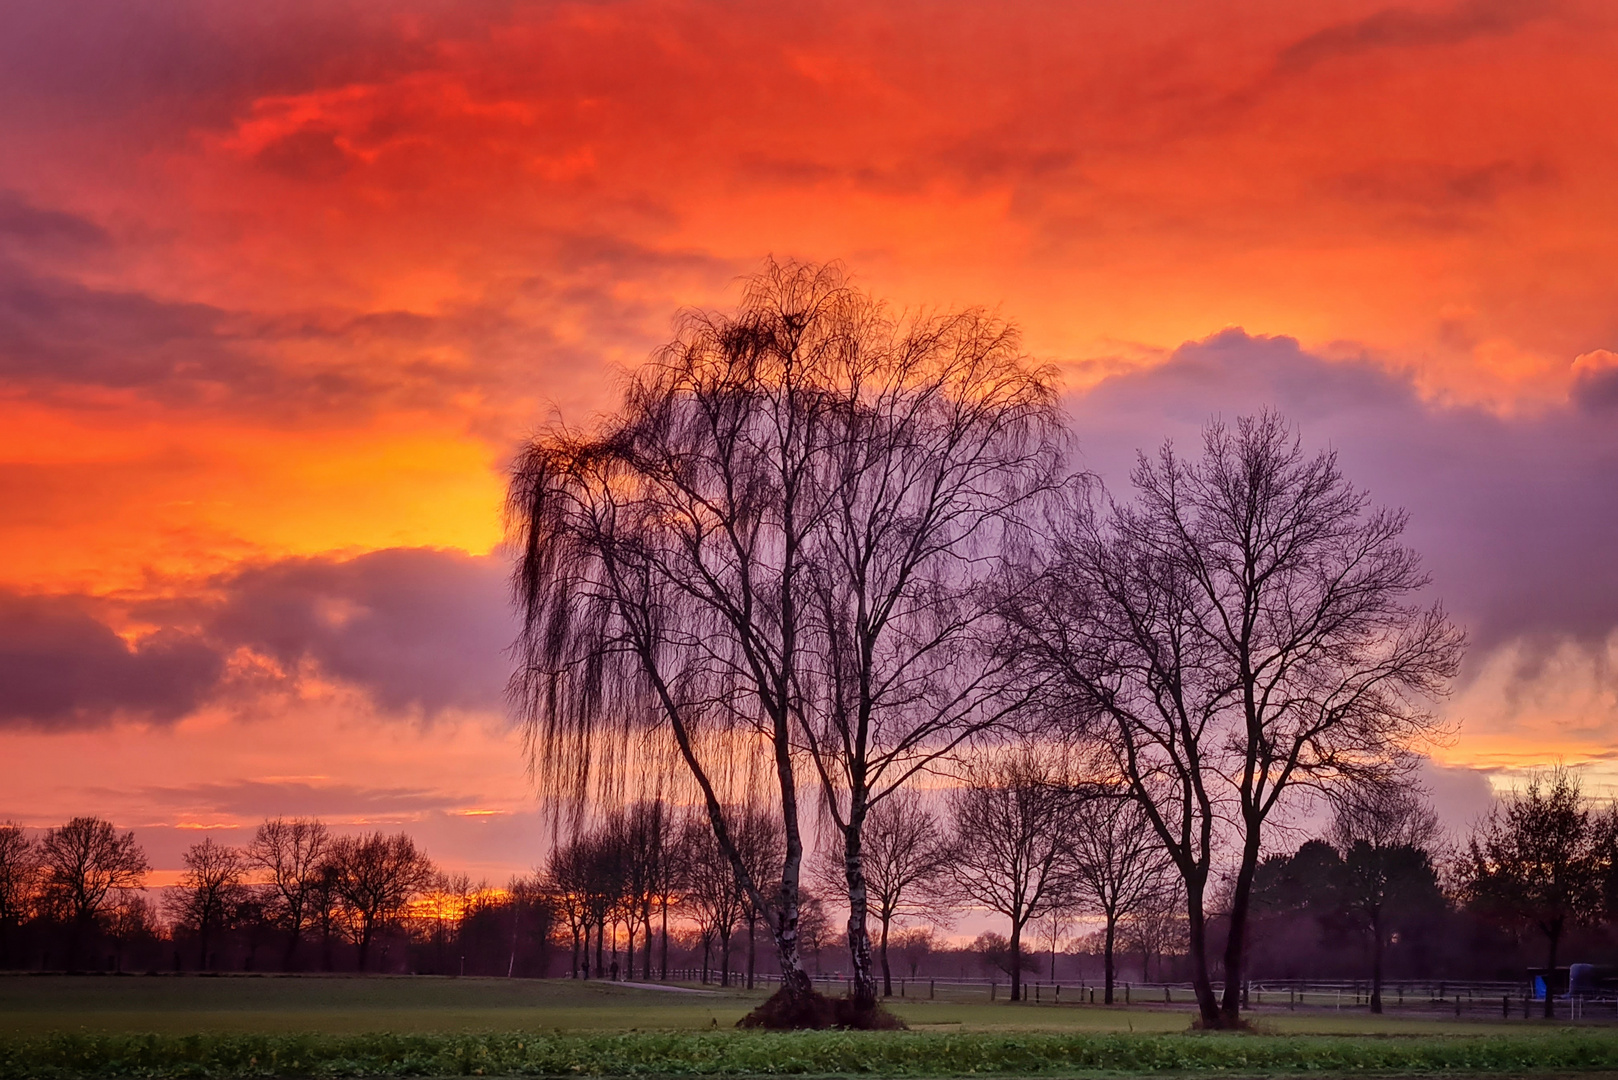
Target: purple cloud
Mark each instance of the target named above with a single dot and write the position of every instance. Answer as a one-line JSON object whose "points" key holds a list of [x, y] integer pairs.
{"points": [[62, 668], [1515, 516], [419, 631]]}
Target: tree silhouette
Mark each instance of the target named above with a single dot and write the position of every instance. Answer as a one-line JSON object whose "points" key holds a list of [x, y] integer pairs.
{"points": [[1385, 834], [207, 891], [87, 863], [376, 877], [1246, 625], [1010, 850], [1539, 859], [292, 852]]}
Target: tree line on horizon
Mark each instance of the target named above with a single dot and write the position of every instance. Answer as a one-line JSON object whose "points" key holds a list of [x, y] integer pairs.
{"points": [[1014, 839]]}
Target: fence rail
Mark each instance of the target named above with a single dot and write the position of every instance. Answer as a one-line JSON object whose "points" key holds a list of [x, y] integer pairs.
{"points": [[1478, 999]]}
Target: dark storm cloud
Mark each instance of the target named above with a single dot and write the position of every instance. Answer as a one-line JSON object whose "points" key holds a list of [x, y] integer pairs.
{"points": [[417, 631], [1515, 517], [62, 668]]}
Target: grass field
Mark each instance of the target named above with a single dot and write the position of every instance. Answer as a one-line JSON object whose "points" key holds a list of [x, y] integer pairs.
{"points": [[42, 1004], [236, 1026]]}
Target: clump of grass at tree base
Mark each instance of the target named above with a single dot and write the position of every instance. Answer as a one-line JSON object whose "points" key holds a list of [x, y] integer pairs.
{"points": [[820, 1053], [815, 1011]]}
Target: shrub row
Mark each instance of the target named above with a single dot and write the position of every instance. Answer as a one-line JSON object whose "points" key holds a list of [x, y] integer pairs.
{"points": [[914, 1054]]}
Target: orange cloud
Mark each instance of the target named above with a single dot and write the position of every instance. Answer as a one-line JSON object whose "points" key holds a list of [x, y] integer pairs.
{"points": [[294, 279]]}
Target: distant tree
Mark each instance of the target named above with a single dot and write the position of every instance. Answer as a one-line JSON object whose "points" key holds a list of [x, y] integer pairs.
{"points": [[915, 944], [566, 875], [1119, 865], [996, 954], [1247, 624], [603, 888], [1385, 835], [758, 842], [532, 919], [129, 918], [326, 910], [1538, 860], [207, 892], [292, 852], [906, 859], [1010, 851], [712, 894], [19, 877], [1309, 881], [376, 879], [1157, 930], [814, 925], [647, 844], [87, 865], [453, 898]]}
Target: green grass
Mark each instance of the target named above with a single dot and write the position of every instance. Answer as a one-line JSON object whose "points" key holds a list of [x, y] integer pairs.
{"points": [[39, 1005], [239, 1026], [44, 1004], [739, 1054]]}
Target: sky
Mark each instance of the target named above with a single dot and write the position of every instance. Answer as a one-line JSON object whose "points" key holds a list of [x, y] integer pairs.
{"points": [[283, 285]]}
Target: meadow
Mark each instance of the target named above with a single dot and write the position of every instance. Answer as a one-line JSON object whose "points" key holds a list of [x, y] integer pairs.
{"points": [[235, 1026]]}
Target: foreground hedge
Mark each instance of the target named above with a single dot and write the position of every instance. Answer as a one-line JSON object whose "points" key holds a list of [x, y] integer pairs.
{"points": [[726, 1054]]}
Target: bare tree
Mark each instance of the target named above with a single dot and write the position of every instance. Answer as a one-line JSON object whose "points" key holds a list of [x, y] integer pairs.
{"points": [[566, 875], [129, 918], [816, 926], [648, 847], [87, 864], [1119, 865], [1010, 854], [782, 534], [1157, 929], [662, 572], [915, 944], [758, 842], [207, 891], [905, 861], [713, 896], [292, 852], [19, 877], [944, 442], [1538, 859], [603, 891], [1246, 626], [376, 878], [1385, 834]]}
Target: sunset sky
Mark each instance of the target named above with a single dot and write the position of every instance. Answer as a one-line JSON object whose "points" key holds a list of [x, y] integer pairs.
{"points": [[283, 284]]}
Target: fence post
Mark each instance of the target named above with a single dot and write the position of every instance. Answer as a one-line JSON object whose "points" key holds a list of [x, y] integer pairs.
{"points": [[1126, 993], [992, 988], [932, 988], [1505, 1006]]}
